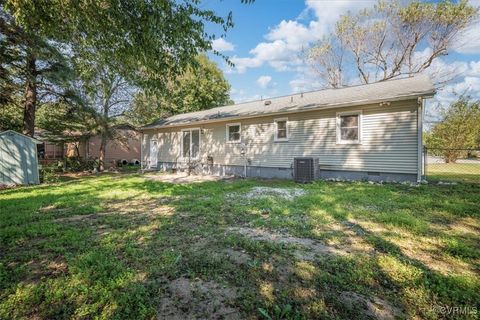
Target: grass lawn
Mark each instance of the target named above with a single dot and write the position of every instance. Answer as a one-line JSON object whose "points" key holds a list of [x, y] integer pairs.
{"points": [[124, 246], [464, 172]]}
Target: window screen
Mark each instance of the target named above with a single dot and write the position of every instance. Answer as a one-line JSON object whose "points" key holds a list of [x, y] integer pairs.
{"points": [[281, 129], [191, 143], [234, 132], [195, 143], [186, 144], [349, 125]]}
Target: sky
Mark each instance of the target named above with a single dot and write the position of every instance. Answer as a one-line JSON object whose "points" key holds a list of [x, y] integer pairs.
{"points": [[268, 36]]}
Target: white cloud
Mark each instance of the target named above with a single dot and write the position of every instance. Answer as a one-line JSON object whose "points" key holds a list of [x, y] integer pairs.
{"points": [[469, 85], [245, 98], [221, 45], [468, 41], [328, 13], [263, 81], [467, 82], [234, 91], [297, 85], [241, 95], [285, 41], [304, 84], [292, 32], [241, 64]]}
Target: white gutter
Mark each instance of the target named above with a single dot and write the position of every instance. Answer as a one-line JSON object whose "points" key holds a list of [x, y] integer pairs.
{"points": [[333, 106]]}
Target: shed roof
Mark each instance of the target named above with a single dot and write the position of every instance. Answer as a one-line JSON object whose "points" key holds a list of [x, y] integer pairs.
{"points": [[10, 132], [391, 90]]}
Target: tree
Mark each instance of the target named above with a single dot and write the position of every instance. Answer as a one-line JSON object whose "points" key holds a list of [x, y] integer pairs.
{"points": [[389, 41], [146, 42], [106, 97], [11, 116], [32, 71], [201, 87], [459, 128]]}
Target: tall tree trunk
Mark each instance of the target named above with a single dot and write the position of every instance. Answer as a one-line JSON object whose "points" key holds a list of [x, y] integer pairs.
{"points": [[103, 147], [30, 96]]}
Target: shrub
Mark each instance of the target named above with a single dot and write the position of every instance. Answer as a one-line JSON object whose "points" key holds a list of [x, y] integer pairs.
{"points": [[75, 164], [49, 173]]}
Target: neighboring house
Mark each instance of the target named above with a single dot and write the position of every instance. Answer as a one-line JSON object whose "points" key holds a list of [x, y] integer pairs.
{"points": [[18, 159], [125, 148], [371, 132]]}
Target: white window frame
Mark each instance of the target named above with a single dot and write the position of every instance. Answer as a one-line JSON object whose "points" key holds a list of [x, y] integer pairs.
{"points": [[339, 134], [275, 134], [227, 135], [199, 143]]}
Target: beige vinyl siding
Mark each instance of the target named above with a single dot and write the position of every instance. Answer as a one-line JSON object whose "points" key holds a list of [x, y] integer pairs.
{"points": [[388, 140]]}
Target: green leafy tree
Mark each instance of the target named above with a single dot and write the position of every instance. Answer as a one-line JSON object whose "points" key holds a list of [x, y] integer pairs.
{"points": [[459, 128], [32, 71], [390, 40], [146, 42], [106, 96], [11, 116], [201, 87]]}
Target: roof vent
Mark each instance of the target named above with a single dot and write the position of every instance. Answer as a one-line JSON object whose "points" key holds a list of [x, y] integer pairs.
{"points": [[267, 102]]}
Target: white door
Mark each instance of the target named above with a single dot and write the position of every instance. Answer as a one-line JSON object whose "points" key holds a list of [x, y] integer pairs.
{"points": [[153, 153]]}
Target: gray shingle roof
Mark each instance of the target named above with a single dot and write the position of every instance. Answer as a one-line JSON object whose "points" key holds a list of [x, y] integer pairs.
{"points": [[398, 89]]}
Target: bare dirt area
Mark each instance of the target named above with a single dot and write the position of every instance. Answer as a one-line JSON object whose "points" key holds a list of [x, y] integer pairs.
{"points": [[269, 192], [249, 249], [311, 247], [198, 299], [183, 178], [371, 307], [135, 207]]}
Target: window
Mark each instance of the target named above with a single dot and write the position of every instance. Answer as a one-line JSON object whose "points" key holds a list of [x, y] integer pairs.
{"points": [[281, 129], [234, 131], [191, 143], [349, 127]]}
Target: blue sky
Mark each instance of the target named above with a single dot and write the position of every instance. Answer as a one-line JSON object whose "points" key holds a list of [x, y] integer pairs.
{"points": [[269, 34]]}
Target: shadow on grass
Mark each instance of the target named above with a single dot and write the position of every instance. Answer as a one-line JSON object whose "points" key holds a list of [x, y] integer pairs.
{"points": [[98, 247]]}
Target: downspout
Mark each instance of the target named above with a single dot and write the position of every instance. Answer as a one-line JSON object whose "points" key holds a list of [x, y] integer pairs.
{"points": [[245, 168], [421, 104]]}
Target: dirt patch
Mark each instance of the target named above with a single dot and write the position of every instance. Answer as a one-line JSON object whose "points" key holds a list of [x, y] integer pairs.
{"points": [[135, 208], [373, 307], [183, 178], [269, 192], [427, 250], [43, 267], [197, 299], [237, 257], [312, 247]]}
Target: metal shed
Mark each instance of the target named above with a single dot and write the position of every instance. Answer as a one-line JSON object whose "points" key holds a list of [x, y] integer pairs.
{"points": [[18, 159]]}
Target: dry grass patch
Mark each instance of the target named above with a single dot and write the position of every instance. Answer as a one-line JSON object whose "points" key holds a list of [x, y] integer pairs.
{"points": [[198, 299]]}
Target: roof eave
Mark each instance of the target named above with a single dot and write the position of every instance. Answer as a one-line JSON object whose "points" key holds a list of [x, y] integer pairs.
{"points": [[424, 95]]}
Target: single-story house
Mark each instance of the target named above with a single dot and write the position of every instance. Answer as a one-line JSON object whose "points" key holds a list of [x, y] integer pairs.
{"points": [[18, 159], [124, 147], [364, 132]]}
